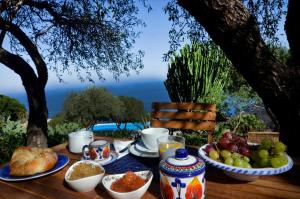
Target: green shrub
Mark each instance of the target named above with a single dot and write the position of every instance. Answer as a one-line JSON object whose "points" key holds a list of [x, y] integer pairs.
{"points": [[59, 133], [92, 104], [129, 134], [57, 119], [12, 108], [12, 135], [243, 124]]}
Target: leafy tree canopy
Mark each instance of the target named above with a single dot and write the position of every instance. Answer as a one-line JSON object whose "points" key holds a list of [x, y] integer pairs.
{"points": [[268, 13], [85, 34], [134, 109], [92, 104]]}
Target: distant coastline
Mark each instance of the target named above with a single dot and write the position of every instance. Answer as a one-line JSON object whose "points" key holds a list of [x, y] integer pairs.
{"points": [[146, 91]]}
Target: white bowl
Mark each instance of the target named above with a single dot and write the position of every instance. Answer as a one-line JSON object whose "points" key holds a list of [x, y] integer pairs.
{"points": [[109, 179], [84, 184], [244, 174]]}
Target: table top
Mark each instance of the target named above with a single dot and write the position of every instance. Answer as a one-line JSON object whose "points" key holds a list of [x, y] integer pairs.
{"points": [[218, 185]]}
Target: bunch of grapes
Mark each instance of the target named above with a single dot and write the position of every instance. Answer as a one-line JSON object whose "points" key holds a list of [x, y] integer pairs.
{"points": [[231, 150], [234, 144], [270, 154]]}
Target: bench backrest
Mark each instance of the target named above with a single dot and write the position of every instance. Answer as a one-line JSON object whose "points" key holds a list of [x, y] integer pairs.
{"points": [[192, 116]]}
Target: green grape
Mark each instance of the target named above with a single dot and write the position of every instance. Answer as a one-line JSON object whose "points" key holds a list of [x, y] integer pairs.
{"points": [[266, 144], [214, 155], [238, 162], [264, 162], [263, 153], [225, 154], [246, 165], [236, 155], [246, 159], [229, 161], [276, 162], [254, 156], [283, 159], [279, 147]]}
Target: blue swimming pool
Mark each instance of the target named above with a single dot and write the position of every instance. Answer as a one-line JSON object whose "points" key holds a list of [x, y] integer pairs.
{"points": [[113, 127]]}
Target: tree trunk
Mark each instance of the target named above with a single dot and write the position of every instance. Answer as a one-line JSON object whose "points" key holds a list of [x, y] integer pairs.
{"points": [[34, 86], [38, 114], [235, 30]]}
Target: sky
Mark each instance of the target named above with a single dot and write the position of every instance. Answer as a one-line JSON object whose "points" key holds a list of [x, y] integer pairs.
{"points": [[153, 41]]}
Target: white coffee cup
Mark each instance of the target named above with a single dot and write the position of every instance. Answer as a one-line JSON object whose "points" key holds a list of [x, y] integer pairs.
{"points": [[149, 137], [78, 139]]}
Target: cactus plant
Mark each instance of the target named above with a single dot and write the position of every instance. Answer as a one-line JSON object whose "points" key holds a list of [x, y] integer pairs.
{"points": [[198, 73]]}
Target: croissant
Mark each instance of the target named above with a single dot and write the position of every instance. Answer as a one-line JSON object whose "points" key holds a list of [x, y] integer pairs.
{"points": [[31, 160]]}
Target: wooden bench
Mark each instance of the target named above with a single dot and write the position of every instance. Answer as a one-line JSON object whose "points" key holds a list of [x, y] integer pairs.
{"points": [[257, 137], [188, 116]]}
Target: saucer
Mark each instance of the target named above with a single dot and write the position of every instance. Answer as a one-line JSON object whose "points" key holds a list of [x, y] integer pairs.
{"points": [[142, 147], [112, 157], [142, 151]]}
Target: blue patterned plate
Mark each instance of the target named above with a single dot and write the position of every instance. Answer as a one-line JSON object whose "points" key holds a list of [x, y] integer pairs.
{"points": [[62, 161], [244, 173]]}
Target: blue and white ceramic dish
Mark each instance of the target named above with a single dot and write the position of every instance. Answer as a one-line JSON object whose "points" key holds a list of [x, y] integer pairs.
{"points": [[112, 157], [62, 161], [244, 173]]}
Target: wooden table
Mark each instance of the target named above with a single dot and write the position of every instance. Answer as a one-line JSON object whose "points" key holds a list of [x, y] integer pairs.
{"points": [[218, 185]]}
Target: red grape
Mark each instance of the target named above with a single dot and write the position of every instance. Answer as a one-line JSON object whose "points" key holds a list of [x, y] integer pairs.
{"points": [[245, 151], [233, 148], [209, 148], [224, 142], [227, 135]]}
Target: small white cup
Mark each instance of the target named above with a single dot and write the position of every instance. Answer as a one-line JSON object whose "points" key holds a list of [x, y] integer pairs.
{"points": [[78, 139], [150, 136]]}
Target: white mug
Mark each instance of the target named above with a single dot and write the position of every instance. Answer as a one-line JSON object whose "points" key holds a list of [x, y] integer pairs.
{"points": [[78, 139], [150, 135]]}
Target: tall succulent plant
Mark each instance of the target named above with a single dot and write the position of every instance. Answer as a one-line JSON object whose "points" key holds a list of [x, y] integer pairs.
{"points": [[198, 73]]}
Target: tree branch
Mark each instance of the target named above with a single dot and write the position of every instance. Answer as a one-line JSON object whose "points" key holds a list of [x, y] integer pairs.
{"points": [[30, 48], [18, 65], [44, 5], [293, 31], [2, 36], [232, 27]]}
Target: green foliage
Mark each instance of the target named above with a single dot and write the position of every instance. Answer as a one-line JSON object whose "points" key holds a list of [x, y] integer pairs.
{"points": [[282, 53], [81, 35], [198, 74], [59, 133], [195, 138], [184, 27], [118, 134], [12, 135], [92, 104], [242, 124], [12, 108], [133, 109], [57, 119]]}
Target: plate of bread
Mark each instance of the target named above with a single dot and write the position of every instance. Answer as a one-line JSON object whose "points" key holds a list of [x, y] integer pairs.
{"points": [[32, 162]]}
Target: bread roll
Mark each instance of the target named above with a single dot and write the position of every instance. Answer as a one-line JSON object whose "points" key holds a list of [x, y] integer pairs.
{"points": [[27, 161]]}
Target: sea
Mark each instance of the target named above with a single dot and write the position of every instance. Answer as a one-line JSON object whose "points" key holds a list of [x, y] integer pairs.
{"points": [[146, 91]]}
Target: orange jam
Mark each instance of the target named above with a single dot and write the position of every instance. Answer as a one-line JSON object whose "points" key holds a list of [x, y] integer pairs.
{"points": [[129, 182]]}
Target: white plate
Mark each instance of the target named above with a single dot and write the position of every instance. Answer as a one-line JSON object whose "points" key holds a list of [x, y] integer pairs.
{"points": [[140, 151], [62, 161], [112, 157]]}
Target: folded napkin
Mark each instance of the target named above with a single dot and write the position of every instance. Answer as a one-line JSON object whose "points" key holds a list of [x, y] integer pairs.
{"points": [[119, 145]]}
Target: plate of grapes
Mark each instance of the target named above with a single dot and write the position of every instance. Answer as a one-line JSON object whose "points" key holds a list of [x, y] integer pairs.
{"points": [[244, 161]]}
